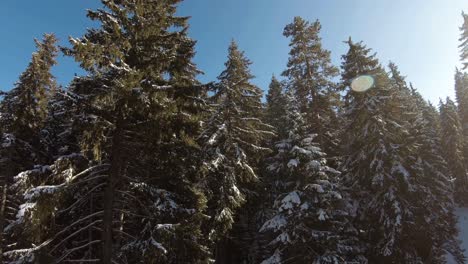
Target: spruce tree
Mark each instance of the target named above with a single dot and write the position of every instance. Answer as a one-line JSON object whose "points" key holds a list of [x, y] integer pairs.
{"points": [[433, 205], [461, 92], [24, 108], [377, 170], [275, 106], [452, 148], [310, 223], [310, 75], [23, 111], [137, 120], [435, 217], [464, 41], [233, 138]]}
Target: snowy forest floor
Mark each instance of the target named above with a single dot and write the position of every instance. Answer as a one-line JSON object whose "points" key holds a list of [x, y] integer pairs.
{"points": [[462, 225]]}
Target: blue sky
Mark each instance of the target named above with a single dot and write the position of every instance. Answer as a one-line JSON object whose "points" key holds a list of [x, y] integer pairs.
{"points": [[421, 36]]}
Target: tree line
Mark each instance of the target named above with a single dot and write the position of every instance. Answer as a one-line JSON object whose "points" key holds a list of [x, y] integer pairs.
{"points": [[139, 162]]}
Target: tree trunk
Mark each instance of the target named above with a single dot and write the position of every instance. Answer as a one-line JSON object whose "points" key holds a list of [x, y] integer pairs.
{"points": [[116, 168]]}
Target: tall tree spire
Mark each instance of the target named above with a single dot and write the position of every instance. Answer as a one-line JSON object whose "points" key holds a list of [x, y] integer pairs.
{"points": [[233, 140], [310, 75], [24, 108], [464, 41], [452, 148]]}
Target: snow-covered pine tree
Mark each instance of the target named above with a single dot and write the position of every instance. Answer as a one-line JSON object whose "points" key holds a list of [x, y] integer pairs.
{"points": [[435, 216], [452, 148], [461, 92], [16, 155], [137, 119], [23, 111], [24, 108], [377, 172], [464, 41], [310, 223], [58, 136], [433, 205], [233, 139], [310, 75], [275, 107]]}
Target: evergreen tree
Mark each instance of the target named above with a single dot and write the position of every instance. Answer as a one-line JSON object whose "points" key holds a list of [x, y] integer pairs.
{"points": [[309, 224], [452, 148], [23, 111], [357, 61], [16, 155], [233, 145], [275, 106], [377, 170], [464, 41], [137, 117], [434, 205], [24, 108], [461, 92], [59, 136], [435, 217], [310, 74]]}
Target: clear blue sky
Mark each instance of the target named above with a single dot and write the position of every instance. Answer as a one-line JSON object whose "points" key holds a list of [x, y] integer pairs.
{"points": [[421, 36]]}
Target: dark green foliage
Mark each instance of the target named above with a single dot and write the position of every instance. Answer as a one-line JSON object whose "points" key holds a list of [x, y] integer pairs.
{"points": [[435, 217], [137, 118], [464, 41], [309, 74], [452, 148], [309, 223], [461, 92], [24, 108], [146, 165], [233, 140], [387, 169], [275, 103]]}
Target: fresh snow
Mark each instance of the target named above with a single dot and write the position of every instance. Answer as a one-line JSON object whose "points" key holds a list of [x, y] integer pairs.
{"points": [[275, 224], [293, 163], [290, 201], [37, 191], [462, 225], [23, 208]]}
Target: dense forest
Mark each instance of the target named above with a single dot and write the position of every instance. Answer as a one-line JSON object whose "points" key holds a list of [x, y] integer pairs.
{"points": [[139, 162]]}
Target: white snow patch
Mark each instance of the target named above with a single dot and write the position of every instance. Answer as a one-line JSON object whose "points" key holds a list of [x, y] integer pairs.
{"points": [[290, 201], [38, 191], [462, 225], [158, 245], [293, 163], [275, 224]]}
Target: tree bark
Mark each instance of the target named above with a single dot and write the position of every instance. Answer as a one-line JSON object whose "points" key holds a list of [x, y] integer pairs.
{"points": [[116, 168]]}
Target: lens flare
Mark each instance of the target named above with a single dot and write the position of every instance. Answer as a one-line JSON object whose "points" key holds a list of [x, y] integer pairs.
{"points": [[362, 83]]}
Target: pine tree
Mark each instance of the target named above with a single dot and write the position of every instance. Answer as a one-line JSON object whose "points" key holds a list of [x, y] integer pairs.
{"points": [[233, 145], [310, 74], [464, 41], [461, 92], [435, 217], [24, 108], [275, 106], [377, 170], [137, 120], [452, 148], [23, 113], [16, 155], [434, 205], [310, 224]]}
